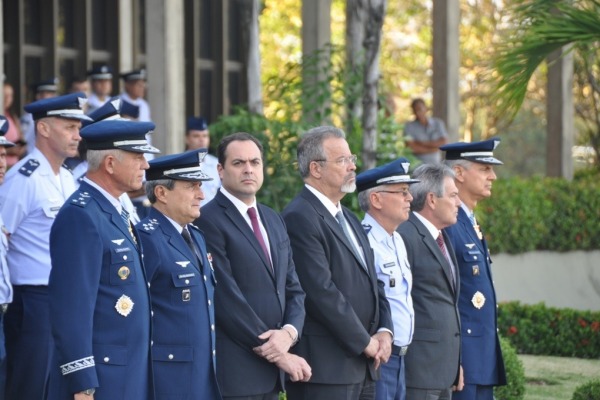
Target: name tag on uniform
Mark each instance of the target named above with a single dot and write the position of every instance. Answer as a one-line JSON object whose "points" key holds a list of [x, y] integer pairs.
{"points": [[389, 265]]}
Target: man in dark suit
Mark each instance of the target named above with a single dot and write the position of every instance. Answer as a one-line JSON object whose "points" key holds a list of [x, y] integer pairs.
{"points": [[433, 361], [483, 365], [259, 302], [181, 280], [98, 293], [348, 329]]}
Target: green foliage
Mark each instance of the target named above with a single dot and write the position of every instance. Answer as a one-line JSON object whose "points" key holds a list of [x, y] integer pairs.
{"points": [[542, 214], [540, 330], [588, 391], [515, 374], [285, 119]]}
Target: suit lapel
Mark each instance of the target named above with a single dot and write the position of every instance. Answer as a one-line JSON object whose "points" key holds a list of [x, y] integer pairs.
{"points": [[433, 247], [240, 223], [333, 224]]}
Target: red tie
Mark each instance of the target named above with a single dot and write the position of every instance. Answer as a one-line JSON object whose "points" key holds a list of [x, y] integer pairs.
{"points": [[257, 233], [442, 246]]}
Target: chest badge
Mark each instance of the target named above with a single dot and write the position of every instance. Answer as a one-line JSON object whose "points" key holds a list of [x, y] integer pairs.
{"points": [[475, 270], [123, 272], [124, 305], [478, 300]]}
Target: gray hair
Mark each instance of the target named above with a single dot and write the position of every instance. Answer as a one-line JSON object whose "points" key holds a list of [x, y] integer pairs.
{"points": [[466, 164], [310, 147], [431, 178], [95, 157], [151, 185]]}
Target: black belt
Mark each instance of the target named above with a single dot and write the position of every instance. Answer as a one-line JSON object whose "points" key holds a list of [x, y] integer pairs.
{"points": [[3, 308], [399, 350]]}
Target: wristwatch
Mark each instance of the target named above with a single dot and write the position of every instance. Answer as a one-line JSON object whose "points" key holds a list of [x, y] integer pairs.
{"points": [[89, 392]]}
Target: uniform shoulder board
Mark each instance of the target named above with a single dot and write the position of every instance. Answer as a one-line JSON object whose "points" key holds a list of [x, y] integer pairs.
{"points": [[29, 167], [367, 228], [148, 225], [80, 198], [67, 167]]}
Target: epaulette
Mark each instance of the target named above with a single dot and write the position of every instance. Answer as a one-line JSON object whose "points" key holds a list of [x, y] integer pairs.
{"points": [[367, 228], [148, 225], [30, 166], [66, 166], [80, 199]]}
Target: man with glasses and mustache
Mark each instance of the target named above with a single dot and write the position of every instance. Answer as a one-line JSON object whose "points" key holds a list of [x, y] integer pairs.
{"points": [[348, 328], [383, 195]]}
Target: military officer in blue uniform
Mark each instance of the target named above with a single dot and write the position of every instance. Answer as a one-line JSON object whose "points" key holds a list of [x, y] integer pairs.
{"points": [[384, 197], [6, 291], [197, 136], [35, 189], [181, 280], [482, 362], [98, 291]]}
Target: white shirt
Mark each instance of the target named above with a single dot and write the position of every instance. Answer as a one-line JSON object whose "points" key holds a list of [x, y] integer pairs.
{"points": [[6, 292], [28, 205], [210, 188], [393, 269], [94, 102]]}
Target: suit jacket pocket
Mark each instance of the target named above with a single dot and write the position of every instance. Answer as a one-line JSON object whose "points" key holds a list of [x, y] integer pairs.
{"points": [[172, 353]]}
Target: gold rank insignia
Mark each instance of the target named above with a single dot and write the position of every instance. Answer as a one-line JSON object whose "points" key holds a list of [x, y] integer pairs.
{"points": [[478, 300], [478, 231], [123, 272], [124, 305]]}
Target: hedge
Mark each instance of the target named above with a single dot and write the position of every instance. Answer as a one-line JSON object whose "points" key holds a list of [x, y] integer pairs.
{"points": [[588, 391], [515, 374], [540, 330], [542, 214]]}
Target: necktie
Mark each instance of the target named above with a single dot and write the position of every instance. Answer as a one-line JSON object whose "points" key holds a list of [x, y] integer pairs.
{"points": [[188, 240], [125, 218], [257, 233], [342, 221], [442, 246]]}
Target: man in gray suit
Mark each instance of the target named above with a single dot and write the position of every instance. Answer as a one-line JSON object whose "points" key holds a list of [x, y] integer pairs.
{"points": [[433, 362]]}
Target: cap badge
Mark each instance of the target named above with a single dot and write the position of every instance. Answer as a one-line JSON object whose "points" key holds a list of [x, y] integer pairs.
{"points": [[406, 166], [124, 305]]}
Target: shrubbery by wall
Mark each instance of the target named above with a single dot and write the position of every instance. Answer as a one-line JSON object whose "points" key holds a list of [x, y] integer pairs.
{"points": [[542, 214], [540, 330]]}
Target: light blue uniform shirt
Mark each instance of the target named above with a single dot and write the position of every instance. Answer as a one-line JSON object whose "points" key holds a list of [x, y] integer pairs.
{"points": [[6, 292], [393, 269], [29, 201]]}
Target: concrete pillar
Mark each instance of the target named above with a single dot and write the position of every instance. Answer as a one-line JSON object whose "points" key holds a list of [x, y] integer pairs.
{"points": [[2, 73], [560, 115], [316, 33], [126, 35], [446, 98], [165, 66]]}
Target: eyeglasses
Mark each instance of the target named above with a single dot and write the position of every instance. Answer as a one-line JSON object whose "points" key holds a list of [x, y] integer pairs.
{"points": [[404, 192], [342, 161]]}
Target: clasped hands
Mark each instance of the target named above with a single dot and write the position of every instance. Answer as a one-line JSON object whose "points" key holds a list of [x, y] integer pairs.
{"points": [[276, 350], [379, 348]]}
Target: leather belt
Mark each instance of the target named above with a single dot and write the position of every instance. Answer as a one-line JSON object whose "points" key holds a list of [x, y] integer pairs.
{"points": [[399, 350], [3, 308]]}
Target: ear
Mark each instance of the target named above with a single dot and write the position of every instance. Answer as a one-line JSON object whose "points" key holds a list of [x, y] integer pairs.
{"points": [[459, 173], [431, 200], [109, 164], [314, 169], [160, 192], [375, 200], [42, 128]]}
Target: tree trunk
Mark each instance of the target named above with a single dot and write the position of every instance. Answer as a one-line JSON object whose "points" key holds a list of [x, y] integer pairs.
{"points": [[252, 45], [372, 44], [356, 15]]}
